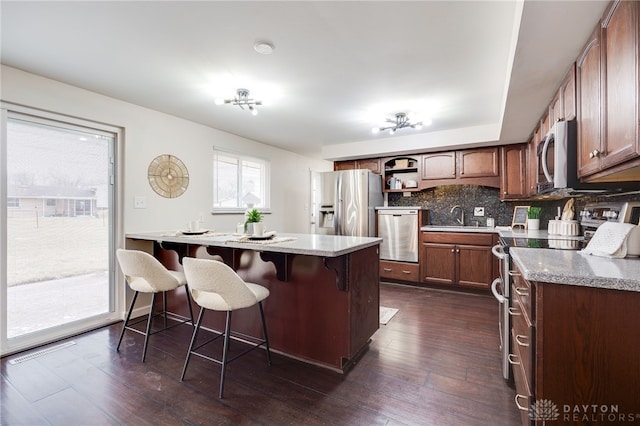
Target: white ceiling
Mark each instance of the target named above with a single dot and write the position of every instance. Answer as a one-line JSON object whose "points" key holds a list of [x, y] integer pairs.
{"points": [[486, 69]]}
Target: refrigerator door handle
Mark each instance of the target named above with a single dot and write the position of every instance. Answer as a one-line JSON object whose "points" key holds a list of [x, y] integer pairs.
{"points": [[337, 220]]}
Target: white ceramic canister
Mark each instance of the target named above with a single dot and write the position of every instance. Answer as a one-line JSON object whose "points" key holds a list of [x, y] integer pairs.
{"points": [[569, 227], [554, 227]]}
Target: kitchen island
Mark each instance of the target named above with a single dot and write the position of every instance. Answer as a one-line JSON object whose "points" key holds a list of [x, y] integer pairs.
{"points": [[325, 294], [575, 335]]}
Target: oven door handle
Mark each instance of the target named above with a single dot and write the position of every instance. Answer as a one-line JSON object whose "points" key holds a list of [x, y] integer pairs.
{"points": [[498, 252], [494, 290]]}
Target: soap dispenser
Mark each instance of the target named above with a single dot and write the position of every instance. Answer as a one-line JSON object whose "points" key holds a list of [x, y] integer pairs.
{"points": [[490, 222]]}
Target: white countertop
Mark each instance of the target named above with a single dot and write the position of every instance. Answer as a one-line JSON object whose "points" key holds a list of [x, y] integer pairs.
{"points": [[572, 268], [306, 244]]}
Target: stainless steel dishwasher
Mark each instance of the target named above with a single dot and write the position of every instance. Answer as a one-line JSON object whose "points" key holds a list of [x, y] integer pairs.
{"points": [[398, 229]]}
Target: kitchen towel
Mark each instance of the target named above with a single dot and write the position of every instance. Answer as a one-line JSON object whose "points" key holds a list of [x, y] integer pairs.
{"points": [[610, 240]]}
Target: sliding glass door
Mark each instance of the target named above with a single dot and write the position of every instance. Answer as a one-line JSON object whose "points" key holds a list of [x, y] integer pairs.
{"points": [[58, 275]]}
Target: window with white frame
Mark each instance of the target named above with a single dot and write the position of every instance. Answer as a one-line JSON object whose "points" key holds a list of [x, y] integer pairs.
{"points": [[239, 180]]}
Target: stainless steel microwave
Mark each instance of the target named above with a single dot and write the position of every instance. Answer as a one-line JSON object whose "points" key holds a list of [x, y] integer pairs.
{"points": [[558, 163]]}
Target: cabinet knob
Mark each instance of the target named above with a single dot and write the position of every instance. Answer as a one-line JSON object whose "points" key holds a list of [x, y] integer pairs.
{"points": [[453, 250], [595, 153]]}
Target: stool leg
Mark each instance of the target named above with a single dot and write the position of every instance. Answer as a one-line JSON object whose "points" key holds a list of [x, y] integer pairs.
{"points": [[126, 321], [225, 352], [193, 341], [146, 336], [164, 307], [264, 332], [186, 289]]}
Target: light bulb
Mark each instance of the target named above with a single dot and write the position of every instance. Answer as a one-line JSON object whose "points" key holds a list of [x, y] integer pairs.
{"points": [[253, 110], [391, 131], [375, 130], [219, 101], [418, 126]]}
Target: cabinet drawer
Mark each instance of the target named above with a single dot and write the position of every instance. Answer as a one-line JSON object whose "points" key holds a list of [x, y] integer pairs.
{"points": [[522, 343], [399, 271], [469, 238], [521, 291], [523, 392]]}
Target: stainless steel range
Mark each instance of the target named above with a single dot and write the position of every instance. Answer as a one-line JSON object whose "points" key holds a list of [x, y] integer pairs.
{"points": [[595, 214]]}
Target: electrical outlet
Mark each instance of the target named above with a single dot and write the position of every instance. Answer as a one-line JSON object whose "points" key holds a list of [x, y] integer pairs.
{"points": [[478, 211], [140, 202]]}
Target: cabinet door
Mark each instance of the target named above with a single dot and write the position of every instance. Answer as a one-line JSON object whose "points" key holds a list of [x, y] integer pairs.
{"points": [[568, 94], [544, 124], [439, 165], [589, 107], [344, 165], [513, 182], [555, 108], [438, 263], [620, 52], [372, 164], [480, 162], [533, 168], [474, 266]]}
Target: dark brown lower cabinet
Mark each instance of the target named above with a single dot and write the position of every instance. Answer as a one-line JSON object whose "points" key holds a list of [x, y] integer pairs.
{"points": [[403, 271], [457, 258], [575, 353]]}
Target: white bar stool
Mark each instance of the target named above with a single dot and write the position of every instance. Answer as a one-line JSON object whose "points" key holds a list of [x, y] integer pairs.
{"points": [[216, 286], [145, 274]]}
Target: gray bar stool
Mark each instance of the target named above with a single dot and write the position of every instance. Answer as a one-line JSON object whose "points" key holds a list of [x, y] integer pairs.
{"points": [[217, 287], [145, 274]]}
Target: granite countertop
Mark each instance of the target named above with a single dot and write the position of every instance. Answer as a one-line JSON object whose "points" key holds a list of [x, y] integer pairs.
{"points": [[572, 268], [306, 244], [504, 231]]}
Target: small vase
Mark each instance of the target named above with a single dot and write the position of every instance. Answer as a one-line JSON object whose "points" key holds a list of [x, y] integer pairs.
{"points": [[533, 224]]}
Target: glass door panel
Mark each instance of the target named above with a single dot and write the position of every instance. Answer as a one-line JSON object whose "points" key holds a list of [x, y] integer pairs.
{"points": [[59, 226]]}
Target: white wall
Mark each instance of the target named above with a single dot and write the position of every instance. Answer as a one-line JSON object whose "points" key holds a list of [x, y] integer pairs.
{"points": [[148, 133]]}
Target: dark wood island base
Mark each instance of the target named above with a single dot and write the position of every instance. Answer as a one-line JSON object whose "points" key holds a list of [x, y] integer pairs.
{"points": [[322, 309]]}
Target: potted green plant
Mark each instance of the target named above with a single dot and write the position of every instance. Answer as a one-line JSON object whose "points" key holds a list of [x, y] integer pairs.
{"points": [[252, 216], [533, 218]]}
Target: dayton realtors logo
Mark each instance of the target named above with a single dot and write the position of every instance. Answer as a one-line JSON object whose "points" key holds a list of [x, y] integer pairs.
{"points": [[546, 410]]}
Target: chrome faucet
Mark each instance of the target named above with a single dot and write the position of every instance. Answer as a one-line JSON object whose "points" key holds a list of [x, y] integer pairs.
{"points": [[461, 220]]}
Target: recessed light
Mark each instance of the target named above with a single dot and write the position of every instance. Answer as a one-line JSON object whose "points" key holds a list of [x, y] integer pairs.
{"points": [[263, 47]]}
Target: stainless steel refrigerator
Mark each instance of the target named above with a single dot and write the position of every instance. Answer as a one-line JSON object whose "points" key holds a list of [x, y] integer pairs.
{"points": [[344, 202]]}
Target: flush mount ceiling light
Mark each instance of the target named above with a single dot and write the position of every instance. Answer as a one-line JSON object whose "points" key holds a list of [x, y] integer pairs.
{"points": [[243, 100], [263, 47], [401, 121]]}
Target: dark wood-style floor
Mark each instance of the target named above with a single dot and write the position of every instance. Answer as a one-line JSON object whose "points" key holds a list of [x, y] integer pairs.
{"points": [[436, 362]]}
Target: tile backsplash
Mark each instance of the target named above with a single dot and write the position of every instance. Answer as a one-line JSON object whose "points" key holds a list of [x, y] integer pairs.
{"points": [[440, 200]]}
